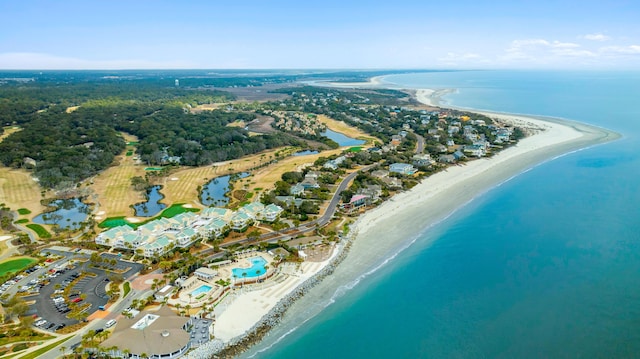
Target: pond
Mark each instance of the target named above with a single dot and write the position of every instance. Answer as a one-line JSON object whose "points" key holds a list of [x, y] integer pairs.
{"points": [[341, 139], [213, 193], [306, 152], [152, 206], [68, 213]]}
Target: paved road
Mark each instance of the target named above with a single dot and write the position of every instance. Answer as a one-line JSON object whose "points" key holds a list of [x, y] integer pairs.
{"points": [[284, 234], [419, 144]]}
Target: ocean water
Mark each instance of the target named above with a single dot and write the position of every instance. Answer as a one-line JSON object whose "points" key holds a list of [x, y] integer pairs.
{"points": [[546, 265]]}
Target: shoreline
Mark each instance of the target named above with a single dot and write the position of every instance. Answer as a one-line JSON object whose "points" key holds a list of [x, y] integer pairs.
{"points": [[430, 202]]}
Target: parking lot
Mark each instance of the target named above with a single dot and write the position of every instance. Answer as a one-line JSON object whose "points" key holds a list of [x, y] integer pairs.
{"points": [[53, 307]]}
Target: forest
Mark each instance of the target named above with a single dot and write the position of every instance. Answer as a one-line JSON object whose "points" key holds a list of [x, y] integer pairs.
{"points": [[69, 146]]}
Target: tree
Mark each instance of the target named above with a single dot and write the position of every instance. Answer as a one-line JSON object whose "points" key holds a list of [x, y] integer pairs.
{"points": [[253, 235]]}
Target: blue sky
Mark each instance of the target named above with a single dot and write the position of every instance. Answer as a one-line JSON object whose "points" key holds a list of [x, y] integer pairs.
{"points": [[48, 34]]}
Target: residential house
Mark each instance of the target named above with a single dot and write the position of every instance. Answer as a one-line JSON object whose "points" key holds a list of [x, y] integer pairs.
{"points": [[422, 160], [402, 168], [446, 159], [297, 189], [392, 182], [373, 192], [475, 150], [333, 164], [380, 173]]}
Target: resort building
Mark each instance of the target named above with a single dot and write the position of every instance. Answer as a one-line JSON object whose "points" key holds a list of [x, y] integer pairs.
{"points": [[164, 293], [271, 213], [402, 168], [159, 334], [240, 221], [205, 273], [159, 236]]}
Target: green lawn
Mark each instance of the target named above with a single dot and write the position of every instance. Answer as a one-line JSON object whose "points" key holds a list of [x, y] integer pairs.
{"points": [[355, 149], [40, 231], [129, 153], [15, 265], [23, 211], [112, 222], [175, 210], [127, 288], [37, 353], [172, 211], [21, 221]]}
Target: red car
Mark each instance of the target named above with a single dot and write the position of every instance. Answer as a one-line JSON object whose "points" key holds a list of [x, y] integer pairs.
{"points": [[77, 300]]}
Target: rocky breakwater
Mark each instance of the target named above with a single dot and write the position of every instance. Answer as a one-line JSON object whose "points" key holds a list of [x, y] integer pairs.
{"points": [[231, 349]]}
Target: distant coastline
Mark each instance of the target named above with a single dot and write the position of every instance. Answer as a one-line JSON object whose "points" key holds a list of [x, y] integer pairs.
{"points": [[431, 201]]}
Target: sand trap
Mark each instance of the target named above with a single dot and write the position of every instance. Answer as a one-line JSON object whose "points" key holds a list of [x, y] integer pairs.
{"points": [[4, 238], [133, 219], [187, 206], [101, 213], [98, 218], [174, 178]]}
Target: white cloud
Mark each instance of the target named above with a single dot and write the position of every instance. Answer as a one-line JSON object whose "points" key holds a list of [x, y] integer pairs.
{"points": [[621, 50], [39, 61], [542, 51], [596, 37]]}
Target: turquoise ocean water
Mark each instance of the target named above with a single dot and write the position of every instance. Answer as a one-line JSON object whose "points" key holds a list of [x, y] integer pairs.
{"points": [[546, 265]]}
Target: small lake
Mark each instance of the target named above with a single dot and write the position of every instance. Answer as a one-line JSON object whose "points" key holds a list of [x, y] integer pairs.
{"points": [[213, 193], [68, 213], [341, 139], [304, 153], [152, 206]]}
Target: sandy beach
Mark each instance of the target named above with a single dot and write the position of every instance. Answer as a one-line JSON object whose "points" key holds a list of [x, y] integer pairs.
{"points": [[380, 234]]}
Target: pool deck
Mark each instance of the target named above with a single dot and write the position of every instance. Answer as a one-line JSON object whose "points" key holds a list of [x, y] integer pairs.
{"points": [[186, 297]]}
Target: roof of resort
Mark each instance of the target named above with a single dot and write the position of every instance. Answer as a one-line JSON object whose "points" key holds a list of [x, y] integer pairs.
{"points": [[159, 332]]}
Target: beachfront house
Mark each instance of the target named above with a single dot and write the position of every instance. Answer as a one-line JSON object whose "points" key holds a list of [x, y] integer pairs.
{"points": [[402, 168], [372, 192], [422, 160], [475, 150]]}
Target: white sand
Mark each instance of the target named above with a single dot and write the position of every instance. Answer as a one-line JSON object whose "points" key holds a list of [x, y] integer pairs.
{"points": [[249, 307], [385, 230], [174, 178], [187, 206], [101, 213], [133, 219], [4, 238]]}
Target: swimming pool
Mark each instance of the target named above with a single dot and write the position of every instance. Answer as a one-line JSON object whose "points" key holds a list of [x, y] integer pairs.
{"points": [[201, 289], [256, 269]]}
